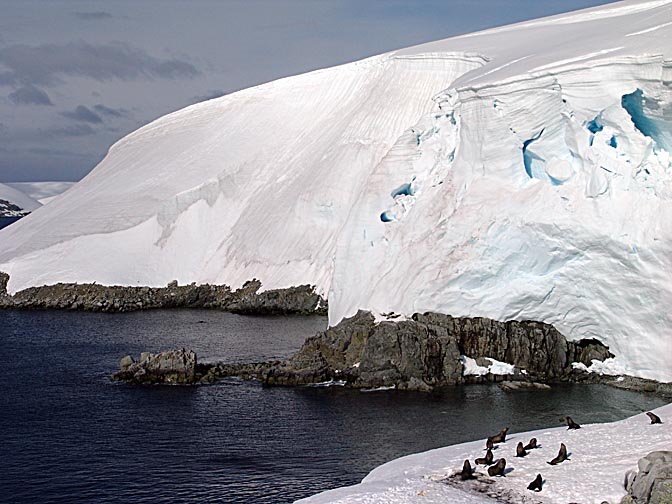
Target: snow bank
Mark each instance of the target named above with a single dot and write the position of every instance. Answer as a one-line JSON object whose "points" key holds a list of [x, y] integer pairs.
{"points": [[517, 173], [606, 367], [600, 455], [496, 367]]}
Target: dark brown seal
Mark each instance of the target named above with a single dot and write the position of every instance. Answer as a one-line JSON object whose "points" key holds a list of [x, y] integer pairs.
{"points": [[487, 460], [532, 444], [467, 472], [655, 419], [536, 484], [520, 451], [572, 424], [501, 437], [562, 455], [498, 468]]}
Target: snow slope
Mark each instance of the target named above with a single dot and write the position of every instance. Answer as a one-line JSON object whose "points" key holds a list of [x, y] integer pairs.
{"points": [[43, 192], [522, 172], [600, 455], [18, 198]]}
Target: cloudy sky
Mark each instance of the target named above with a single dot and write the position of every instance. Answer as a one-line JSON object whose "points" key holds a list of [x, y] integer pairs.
{"points": [[75, 75]]}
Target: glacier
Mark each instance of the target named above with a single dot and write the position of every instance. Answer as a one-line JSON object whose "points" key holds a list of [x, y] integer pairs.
{"points": [[522, 172]]}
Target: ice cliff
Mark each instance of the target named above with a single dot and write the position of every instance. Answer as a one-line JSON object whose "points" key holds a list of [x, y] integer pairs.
{"points": [[522, 172]]}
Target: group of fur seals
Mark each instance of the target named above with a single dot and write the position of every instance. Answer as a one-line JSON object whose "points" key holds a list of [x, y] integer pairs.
{"points": [[498, 468], [572, 424], [655, 419], [561, 457]]}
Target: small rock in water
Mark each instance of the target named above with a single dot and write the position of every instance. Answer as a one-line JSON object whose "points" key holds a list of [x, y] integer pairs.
{"points": [[513, 385], [169, 367]]}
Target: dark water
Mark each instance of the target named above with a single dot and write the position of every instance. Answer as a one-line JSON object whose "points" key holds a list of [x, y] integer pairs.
{"points": [[6, 221], [69, 435]]}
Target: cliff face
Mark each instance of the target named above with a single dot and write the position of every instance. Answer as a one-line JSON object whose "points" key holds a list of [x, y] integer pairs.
{"points": [[424, 352]]}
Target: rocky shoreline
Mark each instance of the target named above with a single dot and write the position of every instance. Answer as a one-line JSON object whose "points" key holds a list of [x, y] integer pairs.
{"points": [[425, 353], [301, 300]]}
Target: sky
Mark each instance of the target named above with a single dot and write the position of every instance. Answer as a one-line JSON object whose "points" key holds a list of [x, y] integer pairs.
{"points": [[76, 76]]}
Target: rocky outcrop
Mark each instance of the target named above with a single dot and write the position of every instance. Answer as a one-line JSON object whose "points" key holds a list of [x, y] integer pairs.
{"points": [[653, 483], [169, 367], [93, 297], [9, 209], [642, 385], [180, 367], [424, 352], [4, 297]]}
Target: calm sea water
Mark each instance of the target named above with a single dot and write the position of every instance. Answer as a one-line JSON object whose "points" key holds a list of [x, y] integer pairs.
{"points": [[6, 221], [69, 435]]}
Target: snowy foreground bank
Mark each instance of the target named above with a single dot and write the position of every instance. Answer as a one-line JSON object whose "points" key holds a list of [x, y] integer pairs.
{"points": [[599, 456]]}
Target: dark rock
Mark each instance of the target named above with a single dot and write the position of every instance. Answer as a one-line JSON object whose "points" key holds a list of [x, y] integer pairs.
{"points": [[92, 297], [423, 353], [6, 300], [641, 385], [169, 367]]}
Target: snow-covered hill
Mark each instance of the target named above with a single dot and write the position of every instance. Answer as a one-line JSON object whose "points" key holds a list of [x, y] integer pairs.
{"points": [[518, 173], [15, 203]]}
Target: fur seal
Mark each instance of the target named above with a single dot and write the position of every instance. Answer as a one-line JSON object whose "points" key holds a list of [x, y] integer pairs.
{"points": [[501, 437], [487, 460], [498, 468], [562, 455], [536, 484], [655, 419], [489, 445], [520, 451], [572, 424], [467, 472], [531, 445]]}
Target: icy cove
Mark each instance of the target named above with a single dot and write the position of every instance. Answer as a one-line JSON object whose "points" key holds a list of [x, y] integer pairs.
{"points": [[520, 173]]}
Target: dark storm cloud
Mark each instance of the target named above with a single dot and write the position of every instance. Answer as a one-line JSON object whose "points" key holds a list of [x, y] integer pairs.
{"points": [[93, 16], [46, 64], [83, 114], [30, 95], [111, 112]]}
